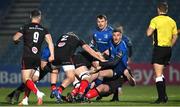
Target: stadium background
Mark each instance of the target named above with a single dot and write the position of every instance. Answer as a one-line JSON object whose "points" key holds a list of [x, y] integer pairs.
{"points": [[61, 16]]}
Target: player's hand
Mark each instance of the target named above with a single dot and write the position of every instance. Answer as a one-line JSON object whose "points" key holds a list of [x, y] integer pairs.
{"points": [[101, 58], [129, 61], [16, 41], [51, 58]]}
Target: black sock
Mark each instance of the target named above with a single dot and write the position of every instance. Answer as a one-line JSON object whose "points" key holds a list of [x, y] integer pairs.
{"points": [[115, 96], [160, 89], [21, 88], [164, 86], [46, 70]]}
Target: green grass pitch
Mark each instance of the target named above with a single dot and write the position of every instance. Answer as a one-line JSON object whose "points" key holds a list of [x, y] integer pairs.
{"points": [[131, 96]]}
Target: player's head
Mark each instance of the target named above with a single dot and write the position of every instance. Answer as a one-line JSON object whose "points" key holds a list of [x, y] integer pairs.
{"points": [[35, 15], [119, 26], [101, 21], [162, 7], [117, 35]]}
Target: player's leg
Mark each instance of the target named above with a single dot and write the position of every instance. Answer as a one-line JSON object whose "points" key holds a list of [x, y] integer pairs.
{"points": [[70, 77], [14, 95], [161, 58], [54, 77], [27, 75], [130, 78], [25, 98], [160, 85], [72, 95], [84, 76], [95, 92]]}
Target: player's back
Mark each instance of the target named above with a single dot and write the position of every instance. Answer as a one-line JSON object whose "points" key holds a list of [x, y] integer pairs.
{"points": [[67, 45], [33, 36]]}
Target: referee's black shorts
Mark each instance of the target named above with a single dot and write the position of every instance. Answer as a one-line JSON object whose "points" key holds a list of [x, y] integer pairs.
{"points": [[161, 55]]}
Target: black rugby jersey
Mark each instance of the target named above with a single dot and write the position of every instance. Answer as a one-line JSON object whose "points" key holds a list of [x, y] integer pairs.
{"points": [[67, 45], [33, 36]]}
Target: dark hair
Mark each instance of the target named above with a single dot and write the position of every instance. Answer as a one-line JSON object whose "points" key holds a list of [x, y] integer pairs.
{"points": [[163, 7], [35, 13], [117, 30], [101, 16]]}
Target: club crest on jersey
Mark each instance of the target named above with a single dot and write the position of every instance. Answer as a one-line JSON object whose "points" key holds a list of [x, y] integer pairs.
{"points": [[34, 50], [106, 36], [61, 44]]}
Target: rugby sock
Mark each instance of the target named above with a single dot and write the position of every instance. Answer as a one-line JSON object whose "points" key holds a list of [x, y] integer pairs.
{"points": [[75, 91], [92, 93], [83, 85], [21, 88], [164, 86], [26, 92], [30, 84], [115, 96], [60, 89], [42, 74], [53, 87], [48, 68], [160, 87]]}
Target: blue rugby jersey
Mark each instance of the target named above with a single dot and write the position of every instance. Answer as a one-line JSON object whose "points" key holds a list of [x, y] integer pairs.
{"points": [[101, 38]]}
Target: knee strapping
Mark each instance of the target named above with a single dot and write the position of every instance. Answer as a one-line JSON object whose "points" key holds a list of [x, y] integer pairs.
{"points": [[84, 75]]}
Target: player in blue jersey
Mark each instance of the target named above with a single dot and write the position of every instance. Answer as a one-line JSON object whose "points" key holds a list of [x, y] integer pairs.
{"points": [[114, 68], [102, 34], [129, 44]]}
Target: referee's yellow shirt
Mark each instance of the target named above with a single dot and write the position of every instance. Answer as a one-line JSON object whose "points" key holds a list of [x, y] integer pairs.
{"points": [[165, 27]]}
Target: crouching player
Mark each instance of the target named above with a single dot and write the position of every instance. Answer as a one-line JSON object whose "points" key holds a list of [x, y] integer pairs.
{"points": [[114, 68]]}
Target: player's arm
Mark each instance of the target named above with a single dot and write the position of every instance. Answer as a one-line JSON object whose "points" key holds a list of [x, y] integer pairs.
{"points": [[174, 34], [108, 64], [151, 28], [16, 37], [93, 53], [174, 39], [112, 63], [178, 31], [149, 31], [51, 46]]}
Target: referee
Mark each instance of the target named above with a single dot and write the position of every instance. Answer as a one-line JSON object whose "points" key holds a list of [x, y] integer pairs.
{"points": [[164, 32]]}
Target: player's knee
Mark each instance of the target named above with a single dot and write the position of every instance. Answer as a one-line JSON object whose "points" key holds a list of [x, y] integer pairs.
{"points": [[36, 76], [24, 79], [84, 76]]}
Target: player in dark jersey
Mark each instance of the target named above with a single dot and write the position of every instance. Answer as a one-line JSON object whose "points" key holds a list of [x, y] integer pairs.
{"points": [[64, 50], [38, 75], [118, 69], [33, 36]]}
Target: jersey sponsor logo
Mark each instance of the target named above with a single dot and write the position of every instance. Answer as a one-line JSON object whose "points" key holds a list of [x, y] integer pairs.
{"points": [[34, 50], [61, 44]]}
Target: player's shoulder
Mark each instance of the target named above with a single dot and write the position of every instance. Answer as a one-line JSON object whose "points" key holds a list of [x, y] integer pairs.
{"points": [[171, 19], [110, 28], [123, 45]]}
